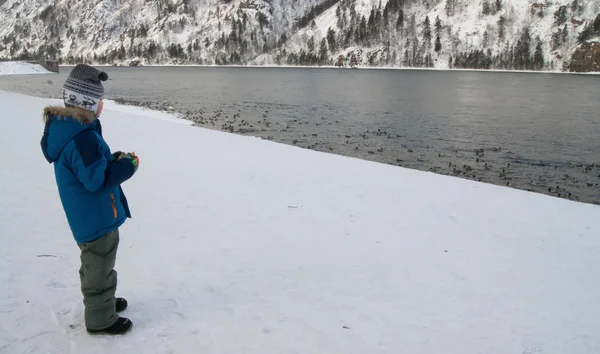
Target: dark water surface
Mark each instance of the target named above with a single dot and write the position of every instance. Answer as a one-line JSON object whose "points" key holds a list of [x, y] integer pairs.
{"points": [[538, 132]]}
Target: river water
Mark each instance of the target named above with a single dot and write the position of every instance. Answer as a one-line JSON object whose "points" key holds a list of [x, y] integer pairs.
{"points": [[537, 132]]}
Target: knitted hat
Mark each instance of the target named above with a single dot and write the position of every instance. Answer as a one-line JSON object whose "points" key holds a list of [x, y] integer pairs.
{"points": [[83, 87]]}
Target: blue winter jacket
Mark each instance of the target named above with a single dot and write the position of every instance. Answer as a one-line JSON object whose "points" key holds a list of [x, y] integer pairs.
{"points": [[87, 176]]}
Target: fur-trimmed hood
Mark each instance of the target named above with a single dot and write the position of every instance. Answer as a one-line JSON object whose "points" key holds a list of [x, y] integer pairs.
{"points": [[79, 114], [62, 125]]}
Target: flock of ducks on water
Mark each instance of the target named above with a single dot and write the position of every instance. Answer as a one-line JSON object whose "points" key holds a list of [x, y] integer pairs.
{"points": [[365, 146]]}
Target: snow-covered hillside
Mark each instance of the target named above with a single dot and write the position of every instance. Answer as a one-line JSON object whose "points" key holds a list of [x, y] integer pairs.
{"points": [[255, 247], [502, 34], [159, 31]]}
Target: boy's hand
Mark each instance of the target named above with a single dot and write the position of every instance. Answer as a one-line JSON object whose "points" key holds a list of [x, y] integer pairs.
{"points": [[117, 155], [134, 159]]}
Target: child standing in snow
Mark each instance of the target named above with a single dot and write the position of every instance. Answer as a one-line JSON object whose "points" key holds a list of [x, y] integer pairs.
{"points": [[89, 181]]}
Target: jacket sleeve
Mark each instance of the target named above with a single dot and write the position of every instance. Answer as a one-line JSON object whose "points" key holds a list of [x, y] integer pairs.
{"points": [[92, 169]]}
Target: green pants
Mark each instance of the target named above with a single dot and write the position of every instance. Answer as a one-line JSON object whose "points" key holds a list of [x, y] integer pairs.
{"points": [[99, 280]]}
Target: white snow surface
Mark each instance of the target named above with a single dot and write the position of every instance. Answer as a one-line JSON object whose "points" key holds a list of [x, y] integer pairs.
{"points": [[21, 68], [240, 245]]}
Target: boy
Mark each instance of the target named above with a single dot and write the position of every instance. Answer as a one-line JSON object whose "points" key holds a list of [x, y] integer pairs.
{"points": [[88, 177]]}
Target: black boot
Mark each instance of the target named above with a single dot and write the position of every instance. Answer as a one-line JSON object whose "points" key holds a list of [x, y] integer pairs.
{"points": [[120, 304], [122, 326]]}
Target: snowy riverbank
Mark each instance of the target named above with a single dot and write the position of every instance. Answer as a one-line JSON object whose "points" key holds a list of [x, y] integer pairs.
{"points": [[240, 245], [401, 68], [21, 68]]}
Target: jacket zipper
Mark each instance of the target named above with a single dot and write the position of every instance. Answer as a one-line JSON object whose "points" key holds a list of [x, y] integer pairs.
{"points": [[114, 205]]}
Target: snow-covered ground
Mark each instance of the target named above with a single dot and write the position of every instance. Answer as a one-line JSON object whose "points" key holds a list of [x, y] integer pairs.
{"points": [[240, 245], [21, 68]]}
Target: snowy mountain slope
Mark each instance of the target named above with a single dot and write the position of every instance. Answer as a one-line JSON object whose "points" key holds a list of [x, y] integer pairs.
{"points": [[286, 250], [104, 31], [503, 34], [464, 28]]}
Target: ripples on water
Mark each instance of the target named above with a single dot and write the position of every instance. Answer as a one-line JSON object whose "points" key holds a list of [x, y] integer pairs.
{"points": [[538, 132]]}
